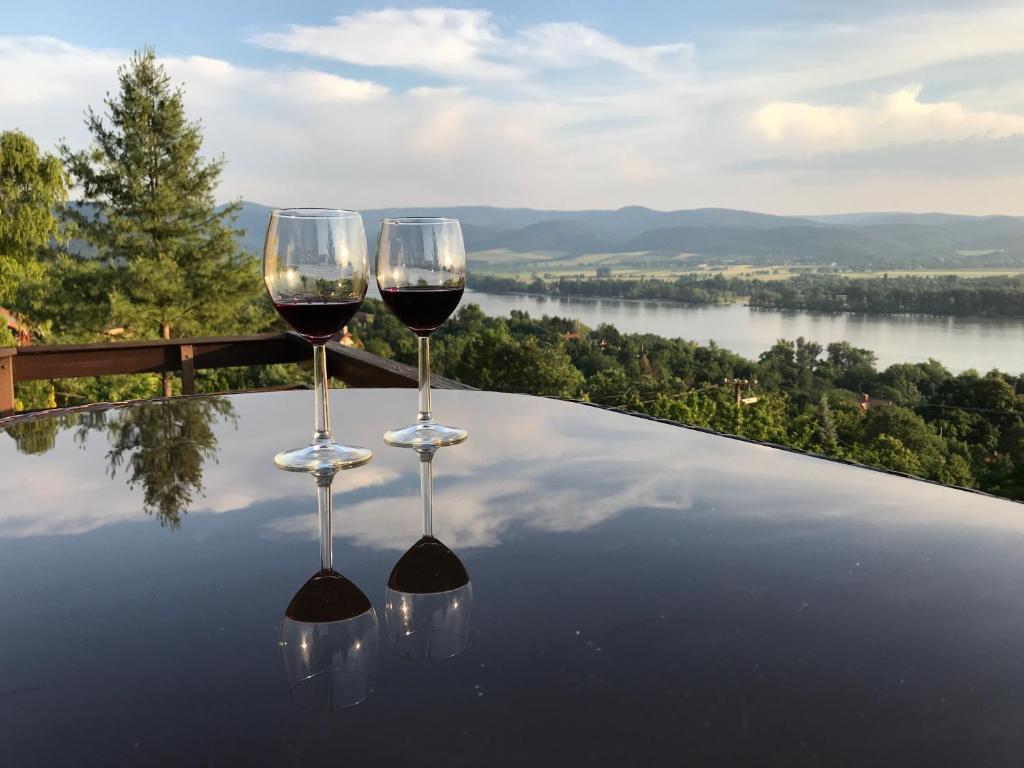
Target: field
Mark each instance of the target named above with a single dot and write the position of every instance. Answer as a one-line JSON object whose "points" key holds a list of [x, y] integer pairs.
{"points": [[637, 265]]}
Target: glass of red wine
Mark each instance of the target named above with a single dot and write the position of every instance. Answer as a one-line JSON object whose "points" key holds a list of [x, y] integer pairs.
{"points": [[421, 273], [316, 271]]}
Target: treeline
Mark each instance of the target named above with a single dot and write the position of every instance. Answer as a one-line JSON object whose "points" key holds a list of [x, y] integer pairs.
{"points": [[965, 429], [948, 295], [925, 295], [693, 288]]}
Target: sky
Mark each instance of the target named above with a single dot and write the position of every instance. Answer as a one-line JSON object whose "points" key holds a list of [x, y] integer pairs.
{"points": [[784, 106]]}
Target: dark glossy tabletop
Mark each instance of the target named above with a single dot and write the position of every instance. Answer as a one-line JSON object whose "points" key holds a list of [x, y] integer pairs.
{"points": [[643, 594]]}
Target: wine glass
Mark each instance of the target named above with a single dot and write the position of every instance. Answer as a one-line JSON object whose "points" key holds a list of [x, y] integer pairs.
{"points": [[329, 633], [428, 604], [421, 273], [316, 272]]}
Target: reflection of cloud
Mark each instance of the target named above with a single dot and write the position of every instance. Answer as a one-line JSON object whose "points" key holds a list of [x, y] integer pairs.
{"points": [[570, 492], [69, 490], [543, 465]]}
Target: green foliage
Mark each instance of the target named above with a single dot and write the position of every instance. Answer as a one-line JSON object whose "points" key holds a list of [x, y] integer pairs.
{"points": [[32, 186], [965, 429], [166, 260]]}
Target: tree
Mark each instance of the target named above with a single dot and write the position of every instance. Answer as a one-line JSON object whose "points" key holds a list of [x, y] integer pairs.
{"points": [[825, 430], [32, 186], [150, 213]]}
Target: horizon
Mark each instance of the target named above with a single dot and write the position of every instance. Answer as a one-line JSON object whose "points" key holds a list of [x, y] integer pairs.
{"points": [[656, 210]]}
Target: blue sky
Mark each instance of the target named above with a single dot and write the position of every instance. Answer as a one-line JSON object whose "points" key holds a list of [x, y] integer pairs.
{"points": [[787, 107]]}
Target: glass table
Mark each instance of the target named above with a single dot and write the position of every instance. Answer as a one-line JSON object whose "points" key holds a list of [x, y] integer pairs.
{"points": [[641, 594]]}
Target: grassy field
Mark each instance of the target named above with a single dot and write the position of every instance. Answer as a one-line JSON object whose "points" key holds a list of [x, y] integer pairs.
{"points": [[637, 265]]}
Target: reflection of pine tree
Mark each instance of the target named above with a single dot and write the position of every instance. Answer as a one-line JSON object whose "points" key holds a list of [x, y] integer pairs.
{"points": [[163, 447]]}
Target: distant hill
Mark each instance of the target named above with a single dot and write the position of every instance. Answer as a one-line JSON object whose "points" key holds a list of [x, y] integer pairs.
{"points": [[720, 235]]}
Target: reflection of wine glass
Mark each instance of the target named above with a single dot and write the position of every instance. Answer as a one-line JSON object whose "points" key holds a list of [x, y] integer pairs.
{"points": [[421, 273], [329, 633], [316, 271], [428, 604]]}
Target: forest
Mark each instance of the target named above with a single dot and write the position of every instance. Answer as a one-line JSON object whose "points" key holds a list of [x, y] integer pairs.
{"points": [[950, 295]]}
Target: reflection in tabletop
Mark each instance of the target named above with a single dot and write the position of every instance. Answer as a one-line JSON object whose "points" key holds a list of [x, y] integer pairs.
{"points": [[329, 633], [162, 447], [428, 604], [654, 595]]}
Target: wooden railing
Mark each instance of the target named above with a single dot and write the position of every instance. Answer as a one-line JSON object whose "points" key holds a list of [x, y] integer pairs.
{"points": [[353, 366]]}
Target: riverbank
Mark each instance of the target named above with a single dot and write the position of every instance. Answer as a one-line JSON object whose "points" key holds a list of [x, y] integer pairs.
{"points": [[959, 343]]}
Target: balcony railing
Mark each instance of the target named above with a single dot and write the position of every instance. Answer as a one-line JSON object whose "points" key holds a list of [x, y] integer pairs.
{"points": [[185, 356]]}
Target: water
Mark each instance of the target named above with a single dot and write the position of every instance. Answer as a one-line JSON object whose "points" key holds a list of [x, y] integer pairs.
{"points": [[959, 343]]}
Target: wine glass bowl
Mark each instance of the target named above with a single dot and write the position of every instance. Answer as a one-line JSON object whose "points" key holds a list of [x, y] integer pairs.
{"points": [[421, 274], [329, 640], [428, 603], [316, 271]]}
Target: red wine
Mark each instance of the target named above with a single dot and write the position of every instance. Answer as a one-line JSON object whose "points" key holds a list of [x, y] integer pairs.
{"points": [[428, 567], [317, 321], [327, 596], [422, 307]]}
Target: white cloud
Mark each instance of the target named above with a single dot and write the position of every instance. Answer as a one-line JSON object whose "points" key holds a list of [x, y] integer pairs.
{"points": [[42, 70], [794, 58], [564, 115], [897, 116], [571, 44], [468, 44], [444, 41], [294, 86]]}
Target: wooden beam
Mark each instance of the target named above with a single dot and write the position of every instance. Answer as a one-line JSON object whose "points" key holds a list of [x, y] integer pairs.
{"points": [[188, 370], [355, 367], [53, 361], [7, 380]]}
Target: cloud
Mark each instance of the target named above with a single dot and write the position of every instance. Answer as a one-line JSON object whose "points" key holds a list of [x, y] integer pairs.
{"points": [[468, 44], [976, 157], [446, 106], [40, 70], [899, 115], [444, 41], [794, 58], [571, 45]]}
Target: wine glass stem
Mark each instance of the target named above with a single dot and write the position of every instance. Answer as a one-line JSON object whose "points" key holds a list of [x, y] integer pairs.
{"points": [[324, 508], [322, 433], [427, 491], [424, 372]]}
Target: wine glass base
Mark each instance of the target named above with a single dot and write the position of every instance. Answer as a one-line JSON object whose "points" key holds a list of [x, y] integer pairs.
{"points": [[425, 435], [322, 457]]}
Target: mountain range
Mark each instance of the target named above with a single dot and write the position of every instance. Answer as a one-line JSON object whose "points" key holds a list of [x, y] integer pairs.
{"points": [[716, 235]]}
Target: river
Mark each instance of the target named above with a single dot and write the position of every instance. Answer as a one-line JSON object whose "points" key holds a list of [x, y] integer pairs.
{"points": [[957, 342]]}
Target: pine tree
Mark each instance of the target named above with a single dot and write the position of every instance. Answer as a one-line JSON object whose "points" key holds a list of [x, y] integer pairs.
{"points": [[826, 434], [148, 209]]}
